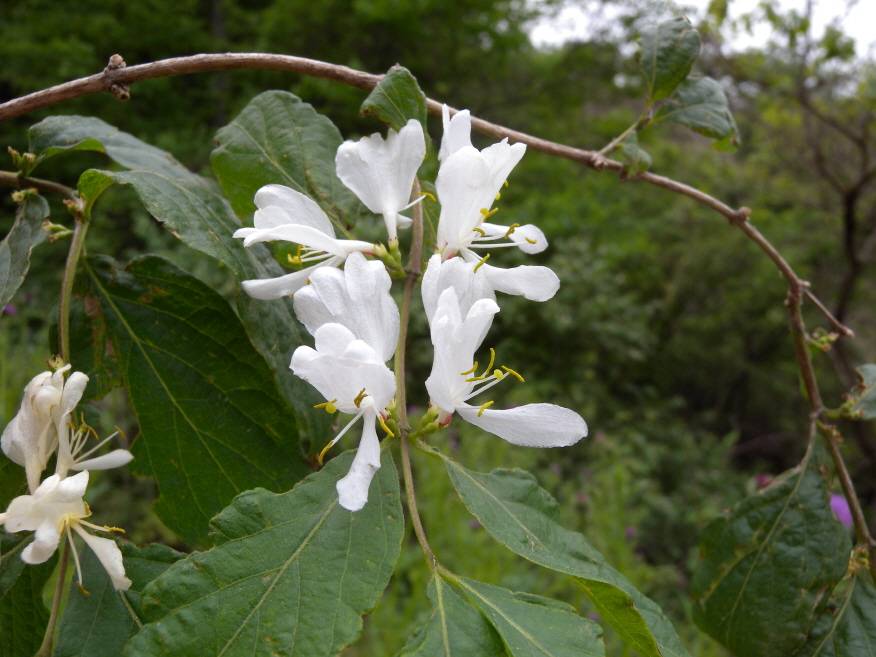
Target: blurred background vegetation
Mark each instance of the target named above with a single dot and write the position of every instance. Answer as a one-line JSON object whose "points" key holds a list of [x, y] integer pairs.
{"points": [[668, 334]]}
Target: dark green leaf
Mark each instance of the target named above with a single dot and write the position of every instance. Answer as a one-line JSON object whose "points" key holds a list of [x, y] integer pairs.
{"points": [[847, 625], [193, 210], [864, 395], [701, 105], [25, 234], [12, 481], [532, 626], [100, 623], [23, 616], [667, 52], [455, 628], [520, 514], [292, 574], [766, 566], [279, 139], [211, 424], [630, 153], [396, 99]]}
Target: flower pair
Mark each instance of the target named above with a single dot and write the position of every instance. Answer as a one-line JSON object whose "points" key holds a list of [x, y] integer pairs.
{"points": [[55, 508]]}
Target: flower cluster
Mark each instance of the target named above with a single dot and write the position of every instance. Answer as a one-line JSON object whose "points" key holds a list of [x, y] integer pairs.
{"points": [[44, 426], [351, 313]]}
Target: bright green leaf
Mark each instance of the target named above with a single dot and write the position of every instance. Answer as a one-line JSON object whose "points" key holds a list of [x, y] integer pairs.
{"points": [[847, 625], [291, 575], [766, 566], [864, 395], [667, 51], [634, 156], [194, 211], [211, 423], [100, 623], [520, 514], [532, 626], [279, 139], [396, 99], [455, 628], [23, 616], [701, 105], [15, 249]]}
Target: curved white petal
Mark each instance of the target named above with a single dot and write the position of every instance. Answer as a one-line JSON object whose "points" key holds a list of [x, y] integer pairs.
{"points": [[532, 425], [295, 233], [457, 132], [381, 171], [333, 339], [114, 459], [529, 238], [45, 542], [110, 557], [458, 274], [535, 283], [353, 488], [70, 489], [282, 286], [297, 208], [461, 184]]}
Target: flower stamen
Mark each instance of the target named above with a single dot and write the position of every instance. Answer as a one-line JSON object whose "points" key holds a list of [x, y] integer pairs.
{"points": [[486, 214], [514, 373], [357, 400], [383, 426], [474, 368], [483, 407], [333, 441], [328, 406], [480, 263]]}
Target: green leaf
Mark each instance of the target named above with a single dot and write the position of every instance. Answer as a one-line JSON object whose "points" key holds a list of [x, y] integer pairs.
{"points": [[292, 573], [12, 481], [667, 51], [766, 566], [532, 626], [396, 99], [521, 515], [23, 616], [279, 139], [864, 395], [701, 105], [193, 210], [630, 153], [100, 623], [211, 423], [455, 628], [847, 626], [25, 234]]}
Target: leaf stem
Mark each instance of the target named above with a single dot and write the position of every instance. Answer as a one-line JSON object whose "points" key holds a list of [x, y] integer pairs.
{"points": [[614, 143], [77, 246], [415, 256], [46, 646]]}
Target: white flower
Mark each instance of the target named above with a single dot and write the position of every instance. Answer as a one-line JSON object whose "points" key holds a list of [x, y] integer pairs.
{"points": [[454, 381], [357, 297], [290, 216], [352, 377], [381, 171], [477, 280], [56, 507]]}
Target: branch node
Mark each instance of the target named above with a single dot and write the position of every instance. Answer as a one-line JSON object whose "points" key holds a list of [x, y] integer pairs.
{"points": [[740, 216], [119, 90]]}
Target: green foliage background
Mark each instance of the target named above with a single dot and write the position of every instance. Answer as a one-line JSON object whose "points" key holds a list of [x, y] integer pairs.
{"points": [[668, 333]]}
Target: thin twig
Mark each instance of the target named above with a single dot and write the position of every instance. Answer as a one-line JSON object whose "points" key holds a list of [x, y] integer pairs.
{"points": [[45, 649], [12, 179], [77, 245]]}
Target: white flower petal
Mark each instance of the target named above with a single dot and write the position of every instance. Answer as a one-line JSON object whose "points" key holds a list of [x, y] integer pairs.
{"points": [[353, 488], [282, 286], [295, 233], [297, 208], [333, 339], [110, 557], [528, 237], [114, 459], [468, 284], [70, 489], [535, 283], [532, 425], [45, 542], [457, 132]]}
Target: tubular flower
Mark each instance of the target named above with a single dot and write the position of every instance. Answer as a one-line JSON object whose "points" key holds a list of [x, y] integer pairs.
{"points": [[290, 216], [57, 507], [381, 171], [477, 280], [455, 380], [352, 377], [357, 297]]}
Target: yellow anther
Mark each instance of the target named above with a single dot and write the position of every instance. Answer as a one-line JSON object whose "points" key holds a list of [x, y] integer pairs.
{"points": [[530, 240], [296, 259], [511, 229], [114, 530], [358, 399], [481, 263], [474, 368], [505, 184], [321, 456], [516, 375], [486, 214], [498, 374], [429, 196], [384, 427], [498, 196], [328, 406], [480, 231], [483, 407], [84, 591], [480, 377]]}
